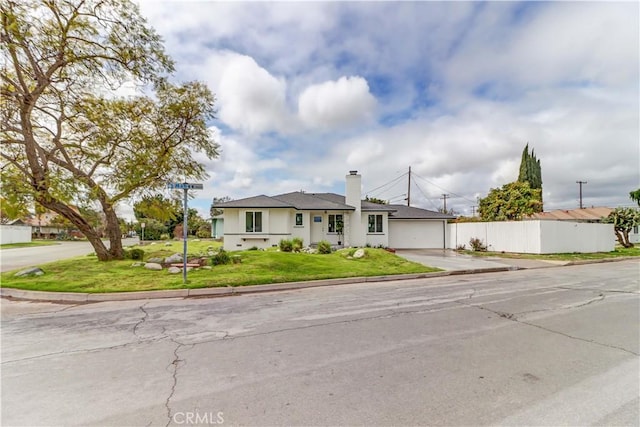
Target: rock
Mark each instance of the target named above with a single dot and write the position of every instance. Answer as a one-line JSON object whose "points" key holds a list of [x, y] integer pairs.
{"points": [[35, 271], [207, 267], [168, 244], [155, 260], [173, 259], [153, 266], [196, 240], [137, 264], [174, 270], [359, 253]]}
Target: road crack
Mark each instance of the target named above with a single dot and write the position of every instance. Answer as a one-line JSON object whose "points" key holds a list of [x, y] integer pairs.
{"points": [[142, 320], [174, 366]]}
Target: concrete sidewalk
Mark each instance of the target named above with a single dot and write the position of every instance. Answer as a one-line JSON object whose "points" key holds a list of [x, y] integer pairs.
{"points": [[450, 260]]}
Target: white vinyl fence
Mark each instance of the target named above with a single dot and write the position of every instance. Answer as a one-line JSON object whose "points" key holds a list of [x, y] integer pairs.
{"points": [[15, 234], [535, 237]]}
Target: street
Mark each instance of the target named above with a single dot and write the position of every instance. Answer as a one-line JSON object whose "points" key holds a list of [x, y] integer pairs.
{"points": [[14, 258], [552, 346]]}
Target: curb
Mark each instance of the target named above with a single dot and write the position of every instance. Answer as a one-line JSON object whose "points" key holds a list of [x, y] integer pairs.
{"points": [[79, 297]]}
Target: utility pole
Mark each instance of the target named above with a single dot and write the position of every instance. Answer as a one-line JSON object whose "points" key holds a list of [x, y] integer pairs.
{"points": [[409, 189], [580, 183], [473, 210], [445, 197]]}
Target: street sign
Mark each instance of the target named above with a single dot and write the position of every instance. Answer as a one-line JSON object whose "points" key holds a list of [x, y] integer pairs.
{"points": [[184, 186]]}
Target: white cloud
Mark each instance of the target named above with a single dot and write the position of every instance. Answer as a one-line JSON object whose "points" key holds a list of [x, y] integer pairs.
{"points": [[335, 104]]}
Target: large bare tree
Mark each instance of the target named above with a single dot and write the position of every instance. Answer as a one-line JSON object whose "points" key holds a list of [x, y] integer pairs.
{"points": [[65, 131]]}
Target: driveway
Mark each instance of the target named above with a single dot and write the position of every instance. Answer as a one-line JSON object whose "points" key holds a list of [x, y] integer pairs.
{"points": [[450, 260], [14, 258], [532, 347]]}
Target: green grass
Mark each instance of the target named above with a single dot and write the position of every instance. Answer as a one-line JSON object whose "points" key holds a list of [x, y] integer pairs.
{"points": [[617, 253], [28, 244], [87, 274]]}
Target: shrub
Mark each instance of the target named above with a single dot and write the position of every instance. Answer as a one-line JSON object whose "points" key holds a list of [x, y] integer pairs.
{"points": [[203, 233], [285, 245], [221, 258], [461, 247], [298, 244], [136, 254], [477, 244], [324, 247], [253, 248]]}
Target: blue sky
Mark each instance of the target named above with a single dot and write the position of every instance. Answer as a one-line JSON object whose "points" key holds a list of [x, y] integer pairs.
{"points": [[307, 91]]}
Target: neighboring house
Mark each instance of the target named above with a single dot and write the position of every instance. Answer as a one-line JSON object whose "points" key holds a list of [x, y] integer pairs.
{"points": [[217, 226], [594, 214], [348, 220]]}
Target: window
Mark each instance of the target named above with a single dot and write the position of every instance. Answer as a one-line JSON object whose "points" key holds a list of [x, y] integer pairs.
{"points": [[635, 229], [375, 223], [335, 223], [254, 222], [298, 219]]}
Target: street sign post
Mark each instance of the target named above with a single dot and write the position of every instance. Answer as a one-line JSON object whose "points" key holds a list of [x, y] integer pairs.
{"points": [[186, 187], [142, 225]]}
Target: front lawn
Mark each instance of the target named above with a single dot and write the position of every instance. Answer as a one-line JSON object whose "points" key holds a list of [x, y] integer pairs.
{"points": [[87, 274]]}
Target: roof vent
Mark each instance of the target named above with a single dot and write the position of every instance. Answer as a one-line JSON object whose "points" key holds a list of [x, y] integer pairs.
{"points": [[353, 172]]}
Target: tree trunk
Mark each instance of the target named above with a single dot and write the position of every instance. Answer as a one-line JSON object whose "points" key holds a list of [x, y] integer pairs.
{"points": [[85, 228], [113, 231], [627, 243]]}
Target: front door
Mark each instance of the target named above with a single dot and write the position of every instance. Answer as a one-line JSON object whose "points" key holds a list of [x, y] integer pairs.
{"points": [[317, 227]]}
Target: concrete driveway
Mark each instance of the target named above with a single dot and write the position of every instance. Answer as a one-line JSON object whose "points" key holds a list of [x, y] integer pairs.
{"points": [[450, 260]]}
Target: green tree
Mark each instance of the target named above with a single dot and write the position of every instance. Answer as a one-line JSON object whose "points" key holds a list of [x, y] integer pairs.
{"points": [[635, 196], [14, 203], [65, 132], [213, 211], [512, 202], [376, 200], [157, 207], [531, 171], [623, 220]]}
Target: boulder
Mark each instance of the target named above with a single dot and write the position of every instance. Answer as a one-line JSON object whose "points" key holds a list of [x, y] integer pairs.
{"points": [[173, 259], [153, 266], [359, 253], [137, 264], [155, 260], [174, 270], [35, 271], [168, 244]]}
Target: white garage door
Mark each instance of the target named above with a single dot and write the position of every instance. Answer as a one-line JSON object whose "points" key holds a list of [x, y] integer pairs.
{"points": [[416, 234]]}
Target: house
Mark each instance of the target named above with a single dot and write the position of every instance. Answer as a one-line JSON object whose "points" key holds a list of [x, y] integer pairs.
{"points": [[262, 221]]}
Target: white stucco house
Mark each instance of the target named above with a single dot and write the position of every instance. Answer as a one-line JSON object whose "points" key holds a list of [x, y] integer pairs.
{"points": [[263, 221]]}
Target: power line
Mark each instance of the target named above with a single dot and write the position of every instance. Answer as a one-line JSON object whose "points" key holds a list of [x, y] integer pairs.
{"points": [[426, 197], [393, 181], [443, 189]]}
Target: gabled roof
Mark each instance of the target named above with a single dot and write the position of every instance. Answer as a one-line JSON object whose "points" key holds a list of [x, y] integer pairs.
{"points": [[261, 201], [312, 201], [409, 212]]}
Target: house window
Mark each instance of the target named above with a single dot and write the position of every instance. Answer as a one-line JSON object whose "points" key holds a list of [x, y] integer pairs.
{"points": [[253, 222], [375, 223], [335, 223], [298, 219], [635, 229]]}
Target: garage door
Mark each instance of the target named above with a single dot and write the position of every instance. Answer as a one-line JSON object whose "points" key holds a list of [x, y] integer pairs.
{"points": [[416, 234]]}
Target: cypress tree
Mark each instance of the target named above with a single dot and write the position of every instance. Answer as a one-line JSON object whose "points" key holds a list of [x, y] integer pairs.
{"points": [[531, 171]]}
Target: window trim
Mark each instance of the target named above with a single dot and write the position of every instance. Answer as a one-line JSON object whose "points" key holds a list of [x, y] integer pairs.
{"points": [[378, 226], [253, 228], [332, 225]]}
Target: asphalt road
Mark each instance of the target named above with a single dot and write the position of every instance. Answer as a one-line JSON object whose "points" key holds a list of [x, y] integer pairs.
{"points": [[553, 346], [14, 258]]}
